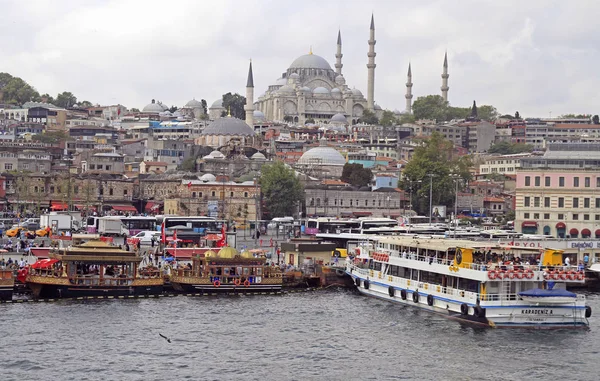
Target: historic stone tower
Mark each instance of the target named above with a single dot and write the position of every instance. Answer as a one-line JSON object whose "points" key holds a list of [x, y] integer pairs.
{"points": [[408, 95], [445, 76], [371, 66], [249, 107], [339, 55]]}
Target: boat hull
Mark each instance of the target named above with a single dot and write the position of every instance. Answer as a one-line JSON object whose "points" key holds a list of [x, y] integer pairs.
{"points": [[193, 285], [495, 316], [45, 291], [6, 292]]}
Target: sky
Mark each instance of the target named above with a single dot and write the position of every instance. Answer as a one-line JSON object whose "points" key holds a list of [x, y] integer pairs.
{"points": [[536, 57]]}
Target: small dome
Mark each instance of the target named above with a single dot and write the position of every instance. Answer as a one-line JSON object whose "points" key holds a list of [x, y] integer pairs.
{"points": [[208, 176], [287, 89], [217, 155], [310, 61], [228, 252], [305, 89], [228, 126], [356, 92], [397, 112], [153, 108], [259, 115], [258, 156], [320, 90], [336, 93], [322, 155], [294, 76], [339, 118], [377, 107], [280, 82], [246, 254], [209, 254], [340, 80], [193, 104], [217, 104]]}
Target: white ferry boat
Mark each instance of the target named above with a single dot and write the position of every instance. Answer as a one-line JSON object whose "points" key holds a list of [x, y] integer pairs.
{"points": [[474, 282]]}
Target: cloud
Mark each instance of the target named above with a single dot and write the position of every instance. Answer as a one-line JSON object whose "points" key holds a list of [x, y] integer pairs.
{"points": [[534, 56]]}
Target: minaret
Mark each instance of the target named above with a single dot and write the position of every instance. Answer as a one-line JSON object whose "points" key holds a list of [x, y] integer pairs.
{"points": [[445, 76], [371, 66], [408, 95], [339, 55], [249, 107]]}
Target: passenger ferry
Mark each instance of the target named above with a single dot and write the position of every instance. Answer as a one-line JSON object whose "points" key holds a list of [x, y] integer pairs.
{"points": [[472, 281], [227, 271], [93, 268]]}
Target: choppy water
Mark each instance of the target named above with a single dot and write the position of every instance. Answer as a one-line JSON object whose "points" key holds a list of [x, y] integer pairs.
{"points": [[325, 335]]}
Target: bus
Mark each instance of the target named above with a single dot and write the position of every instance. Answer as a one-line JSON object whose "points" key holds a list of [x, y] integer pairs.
{"points": [[137, 224], [318, 225], [197, 224]]}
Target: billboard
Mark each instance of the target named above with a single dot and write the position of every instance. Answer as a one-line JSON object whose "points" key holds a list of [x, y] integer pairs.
{"points": [[213, 208], [439, 211]]}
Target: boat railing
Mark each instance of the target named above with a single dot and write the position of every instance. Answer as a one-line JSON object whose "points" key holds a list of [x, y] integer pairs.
{"points": [[95, 280]]}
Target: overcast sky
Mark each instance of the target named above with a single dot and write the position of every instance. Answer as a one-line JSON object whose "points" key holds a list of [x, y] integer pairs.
{"points": [[534, 57]]}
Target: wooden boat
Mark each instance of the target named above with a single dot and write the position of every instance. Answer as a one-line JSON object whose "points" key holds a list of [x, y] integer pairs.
{"points": [[93, 268], [7, 284], [227, 271]]}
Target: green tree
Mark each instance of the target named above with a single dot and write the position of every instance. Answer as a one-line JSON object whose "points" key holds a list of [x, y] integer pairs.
{"points": [[507, 148], [596, 119], [406, 118], [135, 109], [281, 189], [517, 115], [51, 137], [434, 156], [288, 118], [65, 99], [234, 103], [172, 109], [430, 107], [47, 98], [487, 112], [368, 117], [204, 106], [16, 91], [85, 104], [355, 174], [388, 119]]}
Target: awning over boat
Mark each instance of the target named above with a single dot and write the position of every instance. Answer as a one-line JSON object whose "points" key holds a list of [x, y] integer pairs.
{"points": [[561, 225], [529, 224], [574, 231], [124, 208], [539, 293], [59, 206]]}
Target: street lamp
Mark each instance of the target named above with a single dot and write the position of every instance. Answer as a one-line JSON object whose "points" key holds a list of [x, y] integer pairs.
{"points": [[431, 175], [456, 179]]}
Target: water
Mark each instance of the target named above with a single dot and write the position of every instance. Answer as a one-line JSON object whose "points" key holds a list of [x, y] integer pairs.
{"points": [[330, 335]]}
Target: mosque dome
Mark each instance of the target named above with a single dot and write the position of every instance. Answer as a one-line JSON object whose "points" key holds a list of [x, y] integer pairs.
{"points": [[228, 126], [287, 89], [294, 76], [337, 93], [377, 107], [310, 61], [339, 118], [340, 80], [356, 92], [320, 90], [209, 176], [217, 104], [322, 155], [228, 253], [259, 115], [153, 108], [193, 104], [281, 82], [305, 88], [258, 156]]}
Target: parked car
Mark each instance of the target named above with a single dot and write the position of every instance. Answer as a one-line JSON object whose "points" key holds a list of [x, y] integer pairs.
{"points": [[144, 237]]}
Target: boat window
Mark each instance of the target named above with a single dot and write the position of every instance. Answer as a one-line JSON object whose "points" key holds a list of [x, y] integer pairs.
{"points": [[238, 271], [259, 271], [226, 271], [377, 266], [394, 270], [414, 274], [246, 271]]}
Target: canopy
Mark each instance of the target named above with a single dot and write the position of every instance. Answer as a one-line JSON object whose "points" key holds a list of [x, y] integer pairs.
{"points": [[597, 233], [44, 263], [586, 232], [150, 206], [529, 224], [574, 231], [561, 225], [539, 293], [124, 208], [59, 206]]}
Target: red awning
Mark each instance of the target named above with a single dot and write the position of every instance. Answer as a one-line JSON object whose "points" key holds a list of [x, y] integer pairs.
{"points": [[82, 207], [597, 233], [561, 225], [59, 206], [529, 224], [150, 206], [586, 232], [124, 208], [213, 237], [574, 231]]}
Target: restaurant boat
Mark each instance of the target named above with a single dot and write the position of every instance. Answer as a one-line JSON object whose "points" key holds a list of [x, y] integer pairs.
{"points": [[93, 268], [473, 282], [227, 271], [7, 284]]}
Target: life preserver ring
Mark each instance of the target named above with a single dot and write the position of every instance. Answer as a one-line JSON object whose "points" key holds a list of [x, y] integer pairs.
{"points": [[500, 274], [553, 275], [571, 275], [237, 282], [391, 291], [580, 276], [464, 309], [492, 274], [366, 284], [217, 283], [246, 283], [430, 300], [511, 274], [403, 294], [528, 274], [415, 296], [519, 274], [562, 275]]}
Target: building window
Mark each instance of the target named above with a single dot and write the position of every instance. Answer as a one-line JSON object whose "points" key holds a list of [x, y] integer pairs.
{"points": [[561, 181], [537, 181], [547, 181], [546, 202], [536, 216], [230, 194], [8, 166], [597, 217], [366, 202], [586, 202], [546, 216], [536, 202], [598, 182], [576, 182], [527, 201], [525, 215], [561, 216], [527, 181], [245, 194], [213, 194], [125, 192], [587, 182], [200, 194], [350, 202], [575, 202], [75, 189], [575, 216], [561, 202], [586, 217], [598, 203]]}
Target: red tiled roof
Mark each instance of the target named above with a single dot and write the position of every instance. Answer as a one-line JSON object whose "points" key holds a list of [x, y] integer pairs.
{"points": [[156, 163], [493, 199]]}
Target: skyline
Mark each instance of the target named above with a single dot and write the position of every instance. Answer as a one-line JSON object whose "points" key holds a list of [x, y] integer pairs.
{"points": [[122, 53]]}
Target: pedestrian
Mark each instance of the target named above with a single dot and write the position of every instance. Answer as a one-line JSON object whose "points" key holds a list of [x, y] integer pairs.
{"points": [[567, 261], [586, 259], [153, 241], [126, 246]]}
